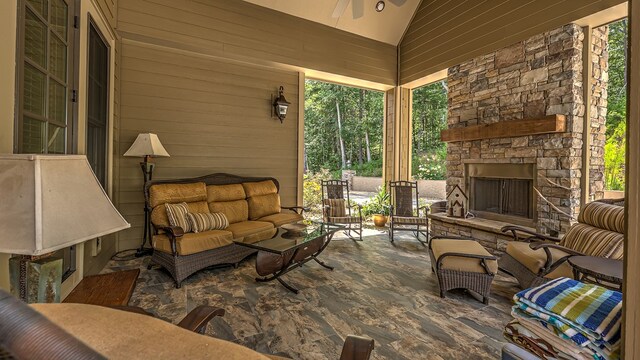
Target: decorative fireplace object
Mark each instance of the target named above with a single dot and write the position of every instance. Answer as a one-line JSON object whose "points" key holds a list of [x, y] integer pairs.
{"points": [[457, 202], [502, 192]]}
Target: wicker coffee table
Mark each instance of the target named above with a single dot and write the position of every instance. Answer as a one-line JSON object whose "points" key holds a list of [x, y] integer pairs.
{"points": [[597, 270], [286, 251]]}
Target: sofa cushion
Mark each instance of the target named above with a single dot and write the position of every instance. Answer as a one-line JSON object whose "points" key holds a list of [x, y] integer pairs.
{"points": [[176, 193], [280, 219], [603, 216], [177, 214], [225, 192], [192, 243], [235, 211], [207, 221], [459, 263], [534, 260], [251, 231], [159, 213], [260, 188], [263, 205], [594, 241]]}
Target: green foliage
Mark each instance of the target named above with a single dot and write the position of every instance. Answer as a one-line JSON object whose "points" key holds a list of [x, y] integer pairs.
{"points": [[617, 83], [614, 149], [429, 119], [312, 192], [430, 166], [614, 156], [361, 118], [378, 204]]}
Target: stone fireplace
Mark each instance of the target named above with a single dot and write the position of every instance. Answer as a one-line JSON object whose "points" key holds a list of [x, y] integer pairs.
{"points": [[528, 180]]}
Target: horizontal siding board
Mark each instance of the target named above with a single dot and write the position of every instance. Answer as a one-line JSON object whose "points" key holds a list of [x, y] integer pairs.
{"points": [[433, 43], [241, 30]]}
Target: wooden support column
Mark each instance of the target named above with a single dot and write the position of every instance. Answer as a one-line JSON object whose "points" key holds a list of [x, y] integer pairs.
{"points": [[388, 161], [301, 159], [631, 289], [587, 81], [397, 135]]}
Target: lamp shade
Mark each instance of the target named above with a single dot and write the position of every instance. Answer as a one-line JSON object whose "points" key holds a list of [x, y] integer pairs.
{"points": [[147, 144], [50, 202]]}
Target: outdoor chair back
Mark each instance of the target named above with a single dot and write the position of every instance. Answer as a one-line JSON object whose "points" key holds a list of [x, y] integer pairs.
{"points": [[404, 197], [405, 212]]}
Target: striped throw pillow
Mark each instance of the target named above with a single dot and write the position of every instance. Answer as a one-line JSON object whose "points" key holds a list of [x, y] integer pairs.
{"points": [[207, 221], [336, 207], [177, 214]]}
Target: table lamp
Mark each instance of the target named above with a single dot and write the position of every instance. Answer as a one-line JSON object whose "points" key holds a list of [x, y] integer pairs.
{"points": [[49, 202], [146, 145]]}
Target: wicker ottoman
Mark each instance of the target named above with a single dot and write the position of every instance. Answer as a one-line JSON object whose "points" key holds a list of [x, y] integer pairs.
{"points": [[462, 263]]}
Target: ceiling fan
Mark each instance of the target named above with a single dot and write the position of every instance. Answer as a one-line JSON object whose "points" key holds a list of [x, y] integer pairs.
{"points": [[358, 7]]}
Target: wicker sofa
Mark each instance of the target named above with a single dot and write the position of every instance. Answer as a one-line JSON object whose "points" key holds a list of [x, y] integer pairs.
{"points": [[252, 206]]}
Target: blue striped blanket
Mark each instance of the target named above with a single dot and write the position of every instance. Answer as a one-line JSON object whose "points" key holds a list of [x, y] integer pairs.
{"points": [[589, 315]]}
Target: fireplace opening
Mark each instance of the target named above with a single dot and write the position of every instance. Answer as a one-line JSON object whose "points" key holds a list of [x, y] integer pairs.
{"points": [[502, 192]]}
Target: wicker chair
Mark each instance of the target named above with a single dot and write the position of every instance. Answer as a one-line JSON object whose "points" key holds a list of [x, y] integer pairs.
{"points": [[337, 208], [403, 217], [539, 258]]}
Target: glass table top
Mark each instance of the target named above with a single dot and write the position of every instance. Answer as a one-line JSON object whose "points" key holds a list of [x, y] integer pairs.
{"points": [[284, 240]]}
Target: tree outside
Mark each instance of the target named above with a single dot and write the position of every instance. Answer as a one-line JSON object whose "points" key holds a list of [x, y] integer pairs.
{"points": [[614, 151], [429, 119]]}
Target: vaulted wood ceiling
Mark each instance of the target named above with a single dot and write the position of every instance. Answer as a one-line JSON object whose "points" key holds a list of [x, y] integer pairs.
{"points": [[386, 26]]}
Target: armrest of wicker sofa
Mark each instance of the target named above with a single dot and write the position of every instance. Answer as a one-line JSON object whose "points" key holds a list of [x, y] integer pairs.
{"points": [[173, 233], [357, 348], [534, 235], [297, 209], [549, 265]]}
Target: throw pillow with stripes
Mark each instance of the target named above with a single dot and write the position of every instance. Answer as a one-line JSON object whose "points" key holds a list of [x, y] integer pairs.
{"points": [[207, 221], [177, 214]]}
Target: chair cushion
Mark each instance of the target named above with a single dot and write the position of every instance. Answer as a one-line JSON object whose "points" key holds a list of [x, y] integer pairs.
{"points": [[263, 205], [225, 192], [235, 211], [594, 241], [459, 263], [159, 216], [177, 214], [176, 193], [251, 231], [409, 220], [336, 207], [118, 334], [604, 216], [192, 243], [258, 188], [534, 260], [282, 218], [207, 221], [344, 219]]}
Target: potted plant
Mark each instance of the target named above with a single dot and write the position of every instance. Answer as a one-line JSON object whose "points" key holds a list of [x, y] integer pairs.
{"points": [[378, 207]]}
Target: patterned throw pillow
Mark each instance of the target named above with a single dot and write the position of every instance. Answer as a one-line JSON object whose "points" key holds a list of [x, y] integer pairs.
{"points": [[177, 214], [207, 221]]}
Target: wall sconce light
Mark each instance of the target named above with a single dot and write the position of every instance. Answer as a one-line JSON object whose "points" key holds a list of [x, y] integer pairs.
{"points": [[281, 105]]}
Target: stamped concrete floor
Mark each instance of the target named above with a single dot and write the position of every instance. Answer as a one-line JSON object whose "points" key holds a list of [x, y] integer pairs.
{"points": [[379, 290]]}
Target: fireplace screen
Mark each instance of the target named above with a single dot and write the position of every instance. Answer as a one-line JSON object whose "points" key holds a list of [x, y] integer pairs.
{"points": [[510, 197]]}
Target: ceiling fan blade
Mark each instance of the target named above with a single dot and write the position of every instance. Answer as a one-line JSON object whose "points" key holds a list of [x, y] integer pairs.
{"points": [[358, 8], [398, 2], [341, 6]]}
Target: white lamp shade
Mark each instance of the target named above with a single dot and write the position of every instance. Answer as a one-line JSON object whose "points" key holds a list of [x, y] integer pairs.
{"points": [[49, 202], [147, 145]]}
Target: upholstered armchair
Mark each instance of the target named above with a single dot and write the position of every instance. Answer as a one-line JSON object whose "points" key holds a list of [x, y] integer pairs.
{"points": [[539, 258]]}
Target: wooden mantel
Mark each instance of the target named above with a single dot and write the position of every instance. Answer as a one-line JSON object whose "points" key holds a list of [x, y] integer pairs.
{"points": [[550, 124]]}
